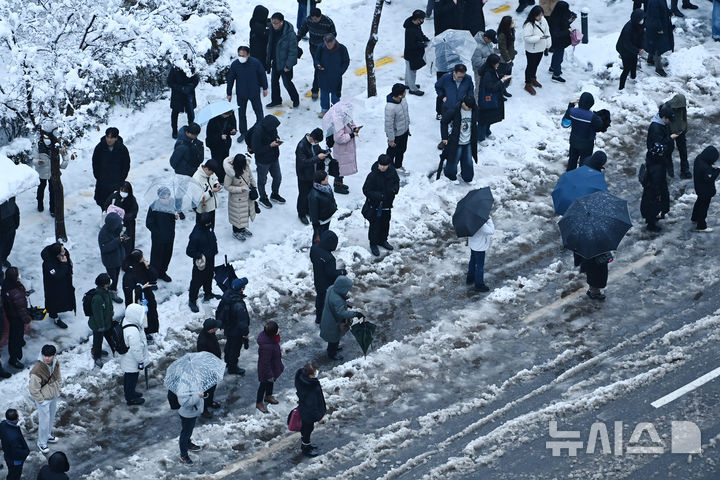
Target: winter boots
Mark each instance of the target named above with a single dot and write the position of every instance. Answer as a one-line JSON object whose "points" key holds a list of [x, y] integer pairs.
{"points": [[340, 187], [529, 88], [271, 400], [4, 373], [308, 449], [535, 83], [261, 406]]}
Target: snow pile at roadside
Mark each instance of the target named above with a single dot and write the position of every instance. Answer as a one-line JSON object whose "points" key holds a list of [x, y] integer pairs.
{"points": [[15, 179]]}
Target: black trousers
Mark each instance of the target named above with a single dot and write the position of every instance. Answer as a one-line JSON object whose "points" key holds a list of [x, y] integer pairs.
{"points": [[207, 401], [256, 105], [160, 256], [232, 351], [114, 274], [304, 189], [14, 471], [681, 143], [315, 86], [318, 229], [379, 228], [16, 335], [438, 101], [201, 278], [639, 4], [319, 305], [287, 77], [700, 210], [174, 118], [98, 341], [397, 153], [332, 349], [533, 60], [130, 381], [264, 390], [306, 430], [41, 194], [7, 240], [629, 68], [597, 273], [577, 154]]}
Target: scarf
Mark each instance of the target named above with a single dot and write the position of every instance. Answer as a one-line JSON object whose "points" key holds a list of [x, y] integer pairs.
{"points": [[323, 188]]}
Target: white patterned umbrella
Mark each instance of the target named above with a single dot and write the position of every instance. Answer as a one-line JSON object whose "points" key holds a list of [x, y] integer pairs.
{"points": [[194, 372]]}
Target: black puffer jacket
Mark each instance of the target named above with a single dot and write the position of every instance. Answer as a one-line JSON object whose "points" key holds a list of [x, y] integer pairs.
{"points": [[632, 36], [112, 252], [704, 174], [110, 168], [259, 35], [264, 134], [311, 401], [233, 314], [57, 280], [321, 205], [202, 242], [55, 469], [161, 225], [306, 160], [559, 23], [182, 90], [324, 266], [381, 187]]}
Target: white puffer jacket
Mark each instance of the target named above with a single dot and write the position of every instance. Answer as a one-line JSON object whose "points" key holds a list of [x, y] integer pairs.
{"points": [[533, 32], [481, 240], [397, 118], [134, 339], [208, 200]]}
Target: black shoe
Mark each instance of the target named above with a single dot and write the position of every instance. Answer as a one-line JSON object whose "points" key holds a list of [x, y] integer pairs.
{"points": [[336, 357], [207, 414], [136, 401], [41, 207], [174, 134], [689, 6], [304, 219], [419, 93], [506, 94], [165, 277], [558, 79], [215, 405], [104, 353], [194, 448], [60, 324], [339, 348], [308, 451], [677, 13], [375, 250], [482, 288], [211, 296], [314, 95], [275, 197], [341, 188], [149, 339], [296, 103], [52, 214], [193, 306], [185, 460], [654, 228], [4, 373], [686, 175], [181, 215], [387, 246], [236, 371], [16, 364], [662, 73], [596, 295], [138, 395], [6, 264], [265, 202], [273, 104]]}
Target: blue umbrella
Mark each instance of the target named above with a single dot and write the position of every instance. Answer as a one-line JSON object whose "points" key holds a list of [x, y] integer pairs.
{"points": [[208, 112], [575, 184], [472, 212], [595, 224]]}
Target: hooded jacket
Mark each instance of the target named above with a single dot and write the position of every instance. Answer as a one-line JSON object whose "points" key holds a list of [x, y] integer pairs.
{"points": [[632, 36], [704, 174], [187, 154], [596, 161], [182, 90], [397, 117], [208, 342], [336, 311], [482, 51], [237, 319], [55, 469], [325, 270], [57, 280], [264, 134], [249, 78], [110, 168], [335, 63], [202, 241], [45, 380], [306, 160], [14, 446], [415, 42], [321, 206], [269, 357], [134, 323], [679, 107], [260, 27], [559, 24], [584, 122], [284, 53], [112, 252], [311, 401], [380, 188]]}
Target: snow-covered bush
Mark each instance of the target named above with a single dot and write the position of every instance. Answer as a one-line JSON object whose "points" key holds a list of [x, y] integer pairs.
{"points": [[69, 60]]}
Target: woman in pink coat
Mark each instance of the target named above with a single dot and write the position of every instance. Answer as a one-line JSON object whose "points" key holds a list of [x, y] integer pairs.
{"points": [[344, 149]]}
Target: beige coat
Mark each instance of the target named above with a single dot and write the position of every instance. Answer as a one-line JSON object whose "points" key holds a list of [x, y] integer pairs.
{"points": [[240, 208], [43, 384]]}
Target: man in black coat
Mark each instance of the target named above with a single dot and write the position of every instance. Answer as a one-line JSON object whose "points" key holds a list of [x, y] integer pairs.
{"points": [[324, 269], [474, 16], [9, 223], [218, 137], [202, 248], [233, 314], [309, 158], [659, 132], [414, 52], [182, 96], [15, 448], [248, 75], [187, 156], [110, 164], [208, 342], [317, 25], [630, 45], [704, 175], [160, 220], [332, 61], [584, 124], [321, 204], [260, 28], [655, 197], [282, 54], [266, 146], [57, 271], [380, 188]]}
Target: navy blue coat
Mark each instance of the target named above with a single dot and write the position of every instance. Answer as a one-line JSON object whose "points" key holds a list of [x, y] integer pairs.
{"points": [[632, 35], [325, 270], [658, 19], [584, 123], [446, 87], [187, 155], [334, 63], [13, 443], [202, 242], [249, 78], [311, 401]]}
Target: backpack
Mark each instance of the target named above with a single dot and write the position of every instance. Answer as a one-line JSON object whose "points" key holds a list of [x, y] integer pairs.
{"points": [[87, 302], [173, 401], [222, 314], [118, 337], [248, 138]]}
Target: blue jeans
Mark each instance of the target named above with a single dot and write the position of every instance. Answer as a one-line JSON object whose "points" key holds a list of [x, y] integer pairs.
{"points": [[262, 173], [327, 96], [556, 62], [188, 424], [476, 268], [464, 157], [716, 20], [302, 15], [483, 132]]}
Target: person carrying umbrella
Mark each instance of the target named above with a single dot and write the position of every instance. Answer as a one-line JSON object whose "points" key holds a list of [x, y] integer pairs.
{"points": [[472, 219], [479, 243], [191, 406], [311, 405], [218, 138], [337, 316]]}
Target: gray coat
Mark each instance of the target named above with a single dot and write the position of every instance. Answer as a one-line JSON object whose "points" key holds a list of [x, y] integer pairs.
{"points": [[336, 310], [286, 49], [397, 118]]}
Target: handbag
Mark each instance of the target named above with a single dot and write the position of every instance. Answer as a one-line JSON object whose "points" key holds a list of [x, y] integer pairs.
{"points": [[487, 101], [294, 422], [575, 37], [253, 192]]}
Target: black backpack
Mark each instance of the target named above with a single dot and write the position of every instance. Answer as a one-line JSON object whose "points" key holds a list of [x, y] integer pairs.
{"points": [[87, 302], [118, 337], [173, 401], [642, 175]]}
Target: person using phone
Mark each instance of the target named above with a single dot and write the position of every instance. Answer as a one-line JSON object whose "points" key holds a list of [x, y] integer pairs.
{"points": [[57, 271], [112, 253], [537, 40], [139, 285], [266, 143], [209, 185], [492, 101]]}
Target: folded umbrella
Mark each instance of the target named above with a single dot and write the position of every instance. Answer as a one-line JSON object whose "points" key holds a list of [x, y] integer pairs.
{"points": [[472, 212], [575, 184], [194, 372], [595, 224], [364, 332], [208, 112]]}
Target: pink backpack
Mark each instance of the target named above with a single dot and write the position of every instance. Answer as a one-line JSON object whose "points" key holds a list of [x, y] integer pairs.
{"points": [[294, 421]]}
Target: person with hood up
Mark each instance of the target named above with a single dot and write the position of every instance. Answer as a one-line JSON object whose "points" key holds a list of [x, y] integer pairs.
{"points": [[459, 132], [321, 204], [182, 95], [56, 468], [380, 188], [191, 406], [485, 47], [248, 74], [337, 316], [331, 61], [136, 358], [584, 125], [453, 87], [266, 146], [100, 322], [209, 185], [202, 248], [57, 268], [124, 198], [233, 314], [282, 54], [343, 142], [218, 137], [309, 158], [111, 165], [239, 182], [559, 24], [630, 45], [659, 36], [160, 220], [270, 365], [311, 405], [325, 270], [9, 223], [187, 156], [15, 308], [15, 448], [655, 197], [139, 285], [397, 124], [679, 127], [414, 51], [48, 149], [112, 253], [208, 342], [537, 42], [705, 176], [44, 387], [317, 25], [491, 83], [260, 28], [596, 161]]}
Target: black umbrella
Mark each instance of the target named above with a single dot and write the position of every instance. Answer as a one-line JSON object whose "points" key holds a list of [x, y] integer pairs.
{"points": [[595, 224], [364, 333], [472, 212]]}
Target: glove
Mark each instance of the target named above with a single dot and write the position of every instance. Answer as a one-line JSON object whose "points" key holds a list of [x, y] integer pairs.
{"points": [[141, 366]]}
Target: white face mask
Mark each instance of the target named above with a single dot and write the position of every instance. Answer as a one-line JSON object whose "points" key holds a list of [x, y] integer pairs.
{"points": [[123, 194], [317, 373], [47, 141], [242, 59]]}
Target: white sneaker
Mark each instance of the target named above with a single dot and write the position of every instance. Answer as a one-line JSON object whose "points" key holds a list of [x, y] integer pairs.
{"points": [[44, 449], [52, 439], [471, 182], [704, 230], [456, 182]]}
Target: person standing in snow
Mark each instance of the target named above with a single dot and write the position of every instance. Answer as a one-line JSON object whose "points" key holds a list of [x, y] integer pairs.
{"points": [[705, 177], [270, 365], [304, 7], [202, 248], [311, 406], [331, 61], [9, 223], [100, 322], [266, 146], [655, 197], [584, 125], [596, 270], [191, 406], [344, 159], [235, 319], [282, 53], [630, 45], [209, 185], [187, 156], [485, 47], [491, 84], [460, 142], [559, 24], [208, 342], [309, 158], [317, 25], [325, 270], [449, 14], [112, 253], [380, 188], [136, 358], [453, 87], [57, 268], [337, 317], [44, 387], [659, 36], [14, 302], [241, 187], [56, 467], [414, 51], [111, 165], [506, 45], [182, 96], [48, 149], [139, 285], [160, 220], [537, 42], [321, 204], [260, 28], [218, 137], [679, 127], [248, 75], [15, 448], [397, 124], [479, 243], [124, 198]]}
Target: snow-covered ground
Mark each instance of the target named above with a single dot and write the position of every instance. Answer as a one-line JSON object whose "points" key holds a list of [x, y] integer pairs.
{"points": [[448, 366]]}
